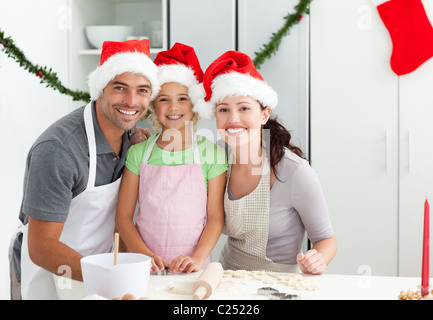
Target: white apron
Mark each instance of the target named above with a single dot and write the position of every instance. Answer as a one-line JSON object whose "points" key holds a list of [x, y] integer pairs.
{"points": [[88, 229]]}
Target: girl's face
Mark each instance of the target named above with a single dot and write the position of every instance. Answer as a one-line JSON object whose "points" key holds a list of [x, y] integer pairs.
{"points": [[239, 119], [173, 106]]}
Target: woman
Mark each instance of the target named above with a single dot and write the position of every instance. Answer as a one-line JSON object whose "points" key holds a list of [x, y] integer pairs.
{"points": [[266, 211]]}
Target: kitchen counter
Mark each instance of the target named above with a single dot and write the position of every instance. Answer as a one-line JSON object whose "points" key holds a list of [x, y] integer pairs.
{"points": [[305, 287], [319, 287]]}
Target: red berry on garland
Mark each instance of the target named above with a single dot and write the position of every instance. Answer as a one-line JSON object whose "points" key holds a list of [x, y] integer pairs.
{"points": [[39, 74], [300, 17]]}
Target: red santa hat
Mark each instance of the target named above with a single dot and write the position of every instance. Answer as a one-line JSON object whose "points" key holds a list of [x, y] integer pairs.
{"points": [[180, 64], [119, 57], [233, 74]]}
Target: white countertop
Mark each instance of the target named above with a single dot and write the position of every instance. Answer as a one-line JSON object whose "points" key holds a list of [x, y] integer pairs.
{"points": [[329, 287]]}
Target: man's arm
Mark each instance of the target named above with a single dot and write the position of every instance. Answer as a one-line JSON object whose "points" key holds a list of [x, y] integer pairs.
{"points": [[46, 251]]}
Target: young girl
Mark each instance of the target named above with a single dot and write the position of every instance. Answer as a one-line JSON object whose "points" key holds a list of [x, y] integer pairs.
{"points": [[178, 178], [272, 194]]}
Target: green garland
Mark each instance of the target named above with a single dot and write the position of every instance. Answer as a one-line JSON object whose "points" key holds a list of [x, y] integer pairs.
{"points": [[52, 81], [272, 46], [46, 75]]}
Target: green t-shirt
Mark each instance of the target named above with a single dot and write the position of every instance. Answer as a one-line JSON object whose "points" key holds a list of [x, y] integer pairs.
{"points": [[212, 157]]}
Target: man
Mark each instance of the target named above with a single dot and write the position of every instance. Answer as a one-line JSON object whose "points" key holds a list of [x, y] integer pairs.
{"points": [[73, 173]]}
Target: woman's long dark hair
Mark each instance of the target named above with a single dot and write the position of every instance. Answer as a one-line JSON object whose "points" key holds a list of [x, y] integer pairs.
{"points": [[279, 138]]}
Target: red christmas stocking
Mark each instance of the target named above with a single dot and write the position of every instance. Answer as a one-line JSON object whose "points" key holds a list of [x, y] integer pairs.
{"points": [[411, 33]]}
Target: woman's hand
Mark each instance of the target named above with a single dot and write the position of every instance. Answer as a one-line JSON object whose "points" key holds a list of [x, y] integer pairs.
{"points": [[311, 262]]}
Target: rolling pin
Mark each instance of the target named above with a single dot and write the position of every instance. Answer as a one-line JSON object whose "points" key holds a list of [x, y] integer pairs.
{"points": [[208, 281]]}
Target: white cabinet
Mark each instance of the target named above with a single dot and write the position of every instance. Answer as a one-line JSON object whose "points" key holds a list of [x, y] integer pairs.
{"points": [[416, 164], [211, 33], [83, 58], [208, 26], [370, 134], [288, 70]]}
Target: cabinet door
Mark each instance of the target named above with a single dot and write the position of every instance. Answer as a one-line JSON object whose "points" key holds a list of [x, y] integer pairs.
{"points": [[416, 164], [206, 25], [210, 28], [354, 123], [287, 70]]}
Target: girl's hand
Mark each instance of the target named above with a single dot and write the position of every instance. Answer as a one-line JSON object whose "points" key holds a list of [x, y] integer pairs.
{"points": [[186, 264], [158, 263], [311, 262]]}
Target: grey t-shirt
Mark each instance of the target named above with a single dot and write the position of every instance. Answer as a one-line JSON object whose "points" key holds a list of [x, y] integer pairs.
{"points": [[297, 205], [57, 170], [57, 167]]}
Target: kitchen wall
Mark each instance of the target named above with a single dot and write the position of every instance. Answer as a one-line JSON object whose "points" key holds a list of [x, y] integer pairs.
{"points": [[39, 28]]}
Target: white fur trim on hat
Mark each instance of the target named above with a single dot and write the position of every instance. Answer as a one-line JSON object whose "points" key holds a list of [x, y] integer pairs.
{"points": [[133, 62], [240, 84], [176, 73], [204, 109]]}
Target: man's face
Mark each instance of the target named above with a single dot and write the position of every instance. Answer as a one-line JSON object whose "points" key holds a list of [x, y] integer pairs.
{"points": [[125, 100]]}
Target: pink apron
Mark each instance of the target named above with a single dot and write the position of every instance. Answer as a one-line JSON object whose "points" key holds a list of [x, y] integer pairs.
{"points": [[172, 206]]}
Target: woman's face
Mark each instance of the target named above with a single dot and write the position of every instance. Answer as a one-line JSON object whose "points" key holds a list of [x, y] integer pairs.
{"points": [[173, 106], [239, 120]]}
